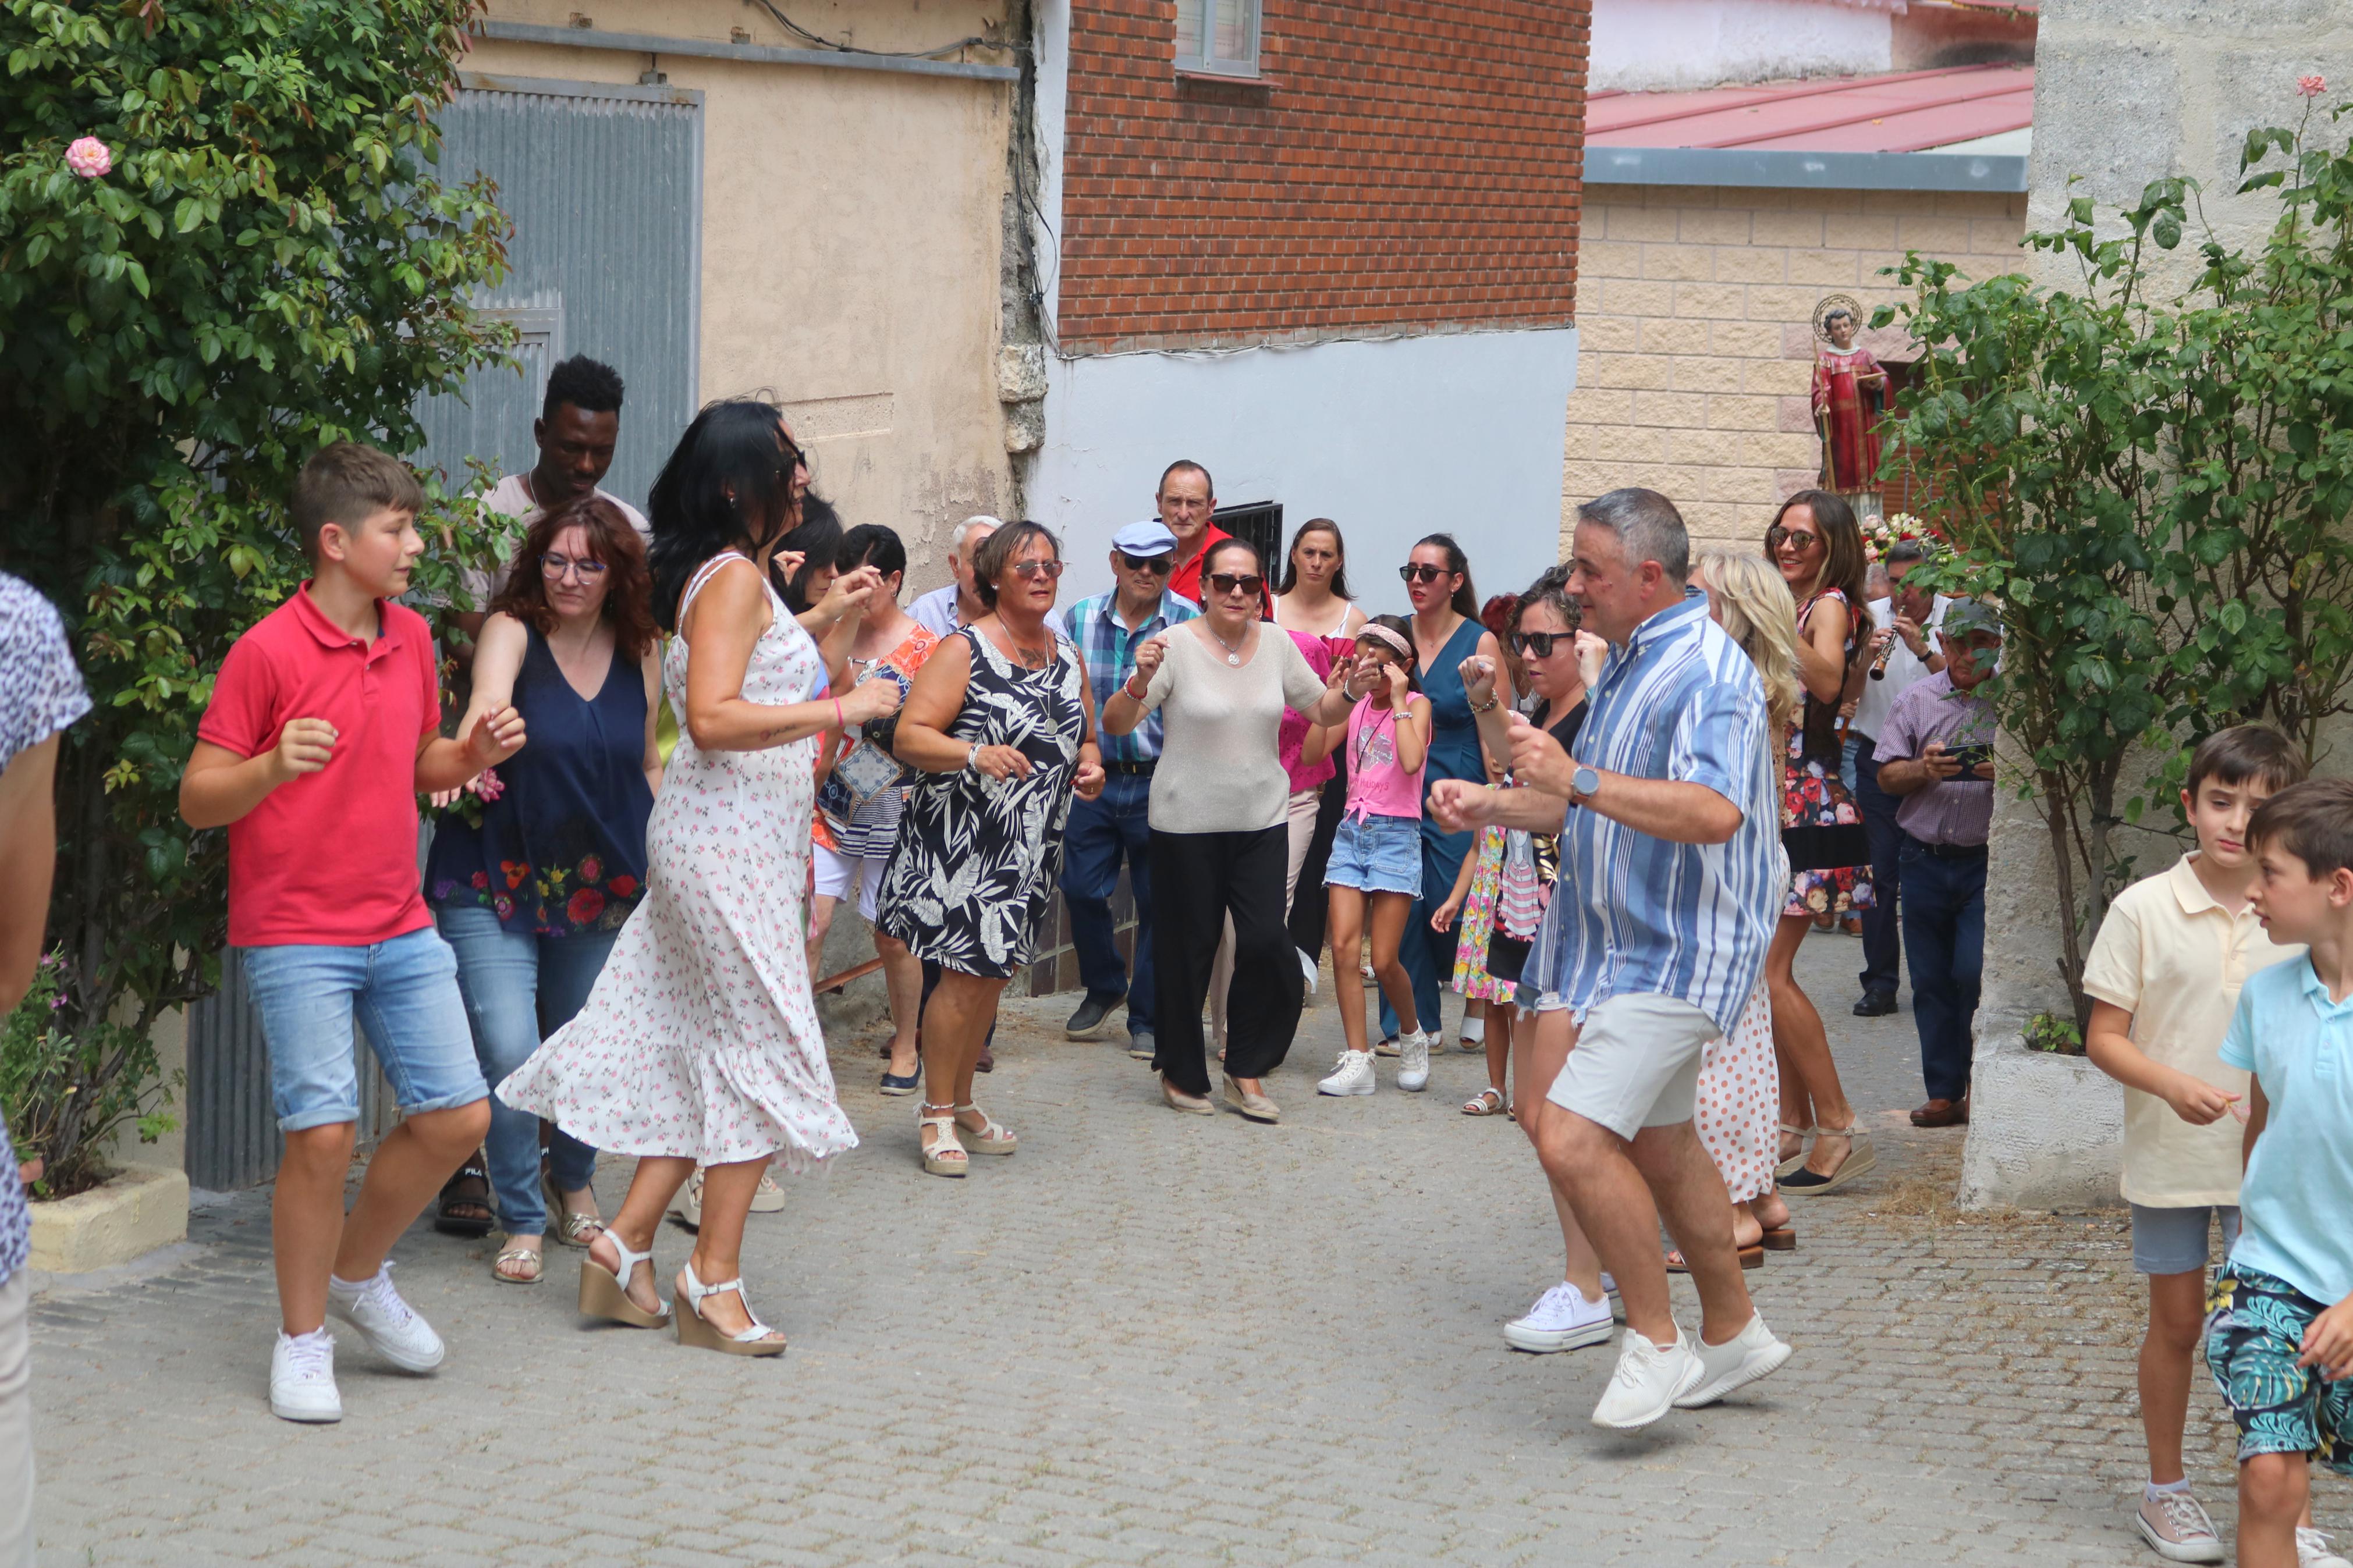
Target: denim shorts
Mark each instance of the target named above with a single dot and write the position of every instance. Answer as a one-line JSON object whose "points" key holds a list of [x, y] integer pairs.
{"points": [[2173, 1241], [1376, 855], [403, 991]]}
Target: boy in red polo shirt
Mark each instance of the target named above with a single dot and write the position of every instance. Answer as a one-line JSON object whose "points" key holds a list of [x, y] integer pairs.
{"points": [[323, 726]]}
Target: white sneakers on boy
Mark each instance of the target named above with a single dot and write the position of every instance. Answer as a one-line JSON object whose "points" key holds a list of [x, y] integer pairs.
{"points": [[1649, 1382], [1750, 1354], [1562, 1319], [2312, 1551], [1354, 1075], [384, 1321], [2178, 1530], [303, 1378], [1413, 1061]]}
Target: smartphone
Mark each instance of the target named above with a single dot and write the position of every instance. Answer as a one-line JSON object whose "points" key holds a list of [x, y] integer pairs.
{"points": [[1970, 756]]}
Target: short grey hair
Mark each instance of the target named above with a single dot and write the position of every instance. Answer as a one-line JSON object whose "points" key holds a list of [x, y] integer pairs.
{"points": [[1904, 550], [1647, 525], [968, 527]]}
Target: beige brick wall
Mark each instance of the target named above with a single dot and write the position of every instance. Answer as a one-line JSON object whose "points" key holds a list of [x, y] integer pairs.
{"points": [[1694, 354]]}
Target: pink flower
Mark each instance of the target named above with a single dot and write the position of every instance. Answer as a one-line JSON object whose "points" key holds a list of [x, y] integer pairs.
{"points": [[489, 785], [2305, 87], [90, 157]]}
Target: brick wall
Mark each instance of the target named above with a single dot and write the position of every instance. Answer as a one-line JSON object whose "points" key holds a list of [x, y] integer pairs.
{"points": [[1410, 169], [1694, 350]]}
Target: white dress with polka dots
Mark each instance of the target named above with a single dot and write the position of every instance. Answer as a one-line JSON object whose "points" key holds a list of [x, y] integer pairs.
{"points": [[1740, 1100]]}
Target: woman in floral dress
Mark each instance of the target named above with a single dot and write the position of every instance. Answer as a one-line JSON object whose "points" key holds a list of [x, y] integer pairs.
{"points": [[699, 1043]]}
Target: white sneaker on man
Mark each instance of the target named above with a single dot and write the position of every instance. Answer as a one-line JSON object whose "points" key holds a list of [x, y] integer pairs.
{"points": [[1750, 1354], [1647, 1382], [2312, 1551], [1354, 1075], [384, 1321], [303, 1378], [1562, 1319], [1413, 1061]]}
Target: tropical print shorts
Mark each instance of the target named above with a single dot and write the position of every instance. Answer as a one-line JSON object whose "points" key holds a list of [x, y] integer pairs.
{"points": [[2254, 1331]]}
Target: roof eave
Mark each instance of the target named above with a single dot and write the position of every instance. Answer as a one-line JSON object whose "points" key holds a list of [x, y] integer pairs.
{"points": [[1784, 170]]}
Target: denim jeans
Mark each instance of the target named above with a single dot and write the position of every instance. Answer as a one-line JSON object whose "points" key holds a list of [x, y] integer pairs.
{"points": [[1883, 946], [519, 989], [405, 994], [1100, 833], [1944, 932], [1849, 750]]}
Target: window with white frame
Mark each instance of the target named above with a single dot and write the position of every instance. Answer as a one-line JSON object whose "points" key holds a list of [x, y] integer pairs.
{"points": [[1219, 36]]}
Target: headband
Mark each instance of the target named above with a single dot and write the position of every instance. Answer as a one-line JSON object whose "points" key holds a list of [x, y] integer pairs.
{"points": [[1394, 638]]}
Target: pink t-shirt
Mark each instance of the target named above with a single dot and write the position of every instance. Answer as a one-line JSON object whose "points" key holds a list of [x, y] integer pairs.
{"points": [[1293, 734], [1377, 785], [328, 859]]}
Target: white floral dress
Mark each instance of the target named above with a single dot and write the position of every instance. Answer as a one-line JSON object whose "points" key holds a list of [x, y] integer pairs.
{"points": [[700, 1039]]}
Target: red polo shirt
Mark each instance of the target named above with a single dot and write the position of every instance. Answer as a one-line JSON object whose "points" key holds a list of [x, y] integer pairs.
{"points": [[1185, 581], [328, 858]]}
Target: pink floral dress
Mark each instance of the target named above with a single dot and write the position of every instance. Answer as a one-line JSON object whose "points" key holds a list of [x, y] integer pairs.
{"points": [[1477, 923], [1821, 827], [700, 1039], [1739, 1105]]}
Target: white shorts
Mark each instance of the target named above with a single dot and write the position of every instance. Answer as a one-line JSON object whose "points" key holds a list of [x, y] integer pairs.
{"points": [[1636, 1064], [836, 871]]}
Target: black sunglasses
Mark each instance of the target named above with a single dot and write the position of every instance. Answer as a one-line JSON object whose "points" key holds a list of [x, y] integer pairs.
{"points": [[1235, 581], [1422, 571], [1541, 644], [1158, 565]]}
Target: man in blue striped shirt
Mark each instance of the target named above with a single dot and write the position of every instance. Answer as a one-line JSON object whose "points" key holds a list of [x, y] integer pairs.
{"points": [[1671, 876], [1108, 629]]}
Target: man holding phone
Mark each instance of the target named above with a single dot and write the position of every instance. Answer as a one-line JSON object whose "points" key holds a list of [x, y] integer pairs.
{"points": [[1936, 754]]}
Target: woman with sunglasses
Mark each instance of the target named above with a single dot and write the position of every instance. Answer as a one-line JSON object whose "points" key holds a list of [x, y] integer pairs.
{"points": [[1446, 632], [998, 725], [1818, 547], [1221, 684]]}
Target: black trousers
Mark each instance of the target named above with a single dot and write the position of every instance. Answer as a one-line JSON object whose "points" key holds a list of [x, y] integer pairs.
{"points": [[1198, 880], [1882, 945], [1310, 907]]}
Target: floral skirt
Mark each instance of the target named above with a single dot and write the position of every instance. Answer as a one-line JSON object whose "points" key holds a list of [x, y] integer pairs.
{"points": [[1820, 825], [1477, 923]]}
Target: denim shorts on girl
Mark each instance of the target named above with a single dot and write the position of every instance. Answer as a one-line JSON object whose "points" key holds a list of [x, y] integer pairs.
{"points": [[404, 992], [1376, 855]]}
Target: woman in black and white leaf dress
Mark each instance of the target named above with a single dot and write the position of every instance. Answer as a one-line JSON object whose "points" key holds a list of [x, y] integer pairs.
{"points": [[999, 724]]}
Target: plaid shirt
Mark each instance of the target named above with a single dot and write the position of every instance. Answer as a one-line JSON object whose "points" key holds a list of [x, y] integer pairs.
{"points": [[1109, 649]]}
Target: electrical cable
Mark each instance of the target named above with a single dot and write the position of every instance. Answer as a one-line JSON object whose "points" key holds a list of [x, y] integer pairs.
{"points": [[815, 40]]}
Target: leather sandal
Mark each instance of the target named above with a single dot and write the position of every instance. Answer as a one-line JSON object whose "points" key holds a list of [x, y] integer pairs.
{"points": [[468, 1187], [1798, 1159], [991, 1137], [605, 1293], [1486, 1102], [512, 1253], [945, 1155], [570, 1229], [1860, 1161], [697, 1331]]}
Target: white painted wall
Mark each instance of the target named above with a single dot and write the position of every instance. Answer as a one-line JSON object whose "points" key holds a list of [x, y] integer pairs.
{"points": [[1393, 439], [1652, 44]]}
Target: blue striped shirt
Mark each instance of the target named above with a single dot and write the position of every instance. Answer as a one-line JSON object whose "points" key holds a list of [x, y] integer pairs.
{"points": [[1637, 915], [1109, 649]]}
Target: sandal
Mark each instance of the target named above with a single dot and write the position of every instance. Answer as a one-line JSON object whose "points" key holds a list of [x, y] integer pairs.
{"points": [[894, 1084], [469, 1188], [1750, 1258], [695, 1330], [990, 1137], [1789, 1163], [570, 1229], [1470, 1048], [1486, 1102], [1781, 1238], [687, 1207], [1860, 1161], [767, 1197], [942, 1156], [605, 1293], [516, 1253]]}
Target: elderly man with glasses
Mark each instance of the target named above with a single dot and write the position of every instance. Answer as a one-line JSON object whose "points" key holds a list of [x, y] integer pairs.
{"points": [[1108, 629]]}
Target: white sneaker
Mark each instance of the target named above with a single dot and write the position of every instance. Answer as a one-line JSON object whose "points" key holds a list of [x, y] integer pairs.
{"points": [[1413, 1062], [1309, 968], [1562, 1319], [1354, 1075], [1648, 1382], [385, 1322], [2312, 1551], [303, 1378], [2178, 1528], [1750, 1354]]}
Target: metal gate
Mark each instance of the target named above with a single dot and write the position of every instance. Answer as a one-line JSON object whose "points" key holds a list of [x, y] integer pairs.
{"points": [[604, 184]]}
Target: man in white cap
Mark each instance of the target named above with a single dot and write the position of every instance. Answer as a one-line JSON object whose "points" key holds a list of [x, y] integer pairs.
{"points": [[946, 608], [1108, 629]]}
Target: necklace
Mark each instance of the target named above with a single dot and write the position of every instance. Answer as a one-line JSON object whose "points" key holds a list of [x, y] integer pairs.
{"points": [[1233, 650]]}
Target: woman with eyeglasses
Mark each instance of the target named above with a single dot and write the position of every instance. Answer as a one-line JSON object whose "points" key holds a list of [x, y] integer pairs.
{"points": [[1817, 545], [1219, 847], [533, 873], [1313, 603], [1446, 632], [998, 723]]}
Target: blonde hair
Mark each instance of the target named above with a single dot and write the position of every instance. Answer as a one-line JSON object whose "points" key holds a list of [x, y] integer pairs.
{"points": [[1753, 601]]}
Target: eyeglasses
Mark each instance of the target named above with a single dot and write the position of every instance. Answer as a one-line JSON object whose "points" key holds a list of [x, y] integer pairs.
{"points": [[1802, 541], [1236, 583], [554, 565], [1158, 565], [1541, 644], [1030, 571], [1422, 571]]}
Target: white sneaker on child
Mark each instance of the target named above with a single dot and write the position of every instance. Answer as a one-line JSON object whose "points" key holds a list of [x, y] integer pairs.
{"points": [[2312, 1551], [2178, 1530], [1354, 1075], [303, 1378], [1413, 1061], [384, 1321], [1562, 1319]]}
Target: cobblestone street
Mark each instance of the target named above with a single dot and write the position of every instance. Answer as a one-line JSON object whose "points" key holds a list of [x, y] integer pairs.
{"points": [[1149, 1339]]}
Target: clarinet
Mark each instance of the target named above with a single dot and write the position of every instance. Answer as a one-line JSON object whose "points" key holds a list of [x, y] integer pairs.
{"points": [[1879, 664]]}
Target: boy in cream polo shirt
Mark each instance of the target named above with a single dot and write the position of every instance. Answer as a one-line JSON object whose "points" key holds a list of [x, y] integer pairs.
{"points": [[2165, 974]]}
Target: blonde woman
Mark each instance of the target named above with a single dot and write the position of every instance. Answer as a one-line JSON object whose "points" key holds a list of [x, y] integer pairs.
{"points": [[1739, 1085]]}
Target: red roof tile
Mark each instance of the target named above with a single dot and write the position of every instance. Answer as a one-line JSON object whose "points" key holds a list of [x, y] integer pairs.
{"points": [[1903, 112]]}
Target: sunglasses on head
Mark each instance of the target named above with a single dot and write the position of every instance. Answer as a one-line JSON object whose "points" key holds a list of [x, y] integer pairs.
{"points": [[1778, 536], [1158, 565], [1249, 582], [1540, 644], [1422, 571], [1033, 570]]}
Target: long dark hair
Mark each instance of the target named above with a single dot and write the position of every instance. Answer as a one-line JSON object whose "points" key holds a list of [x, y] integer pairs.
{"points": [[818, 538], [737, 444], [1291, 569], [1843, 568], [1465, 602], [628, 589]]}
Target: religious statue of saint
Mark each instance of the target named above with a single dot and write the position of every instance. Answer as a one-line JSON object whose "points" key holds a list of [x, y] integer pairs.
{"points": [[1849, 398]]}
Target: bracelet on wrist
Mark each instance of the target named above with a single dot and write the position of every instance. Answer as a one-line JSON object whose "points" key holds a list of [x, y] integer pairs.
{"points": [[1486, 707]]}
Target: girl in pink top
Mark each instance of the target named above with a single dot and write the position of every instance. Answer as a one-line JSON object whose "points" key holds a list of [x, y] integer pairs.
{"points": [[1376, 853]]}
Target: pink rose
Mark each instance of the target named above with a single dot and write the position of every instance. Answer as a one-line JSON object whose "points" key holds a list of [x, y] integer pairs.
{"points": [[2305, 87], [88, 157]]}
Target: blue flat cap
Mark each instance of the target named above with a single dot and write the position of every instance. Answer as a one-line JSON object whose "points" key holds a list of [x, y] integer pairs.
{"points": [[1143, 539]]}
